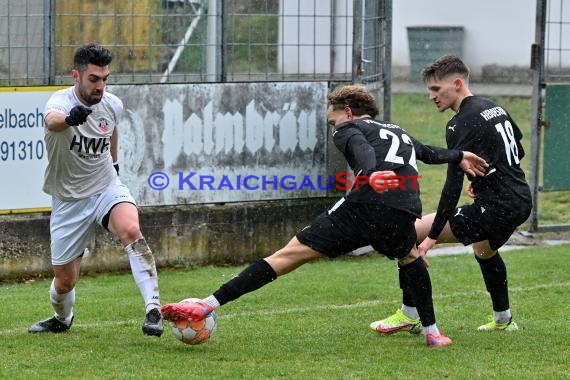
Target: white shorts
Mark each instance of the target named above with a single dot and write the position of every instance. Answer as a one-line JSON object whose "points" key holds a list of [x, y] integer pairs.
{"points": [[72, 222]]}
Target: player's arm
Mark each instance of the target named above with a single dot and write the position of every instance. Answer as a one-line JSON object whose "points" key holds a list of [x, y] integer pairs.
{"points": [[435, 155], [364, 157], [115, 148], [469, 162], [115, 145], [55, 121], [450, 195]]}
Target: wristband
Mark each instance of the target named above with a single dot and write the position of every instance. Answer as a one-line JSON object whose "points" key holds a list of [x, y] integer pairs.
{"points": [[116, 166]]}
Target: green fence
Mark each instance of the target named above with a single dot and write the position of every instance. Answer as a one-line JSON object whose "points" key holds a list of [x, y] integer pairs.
{"points": [[557, 138]]}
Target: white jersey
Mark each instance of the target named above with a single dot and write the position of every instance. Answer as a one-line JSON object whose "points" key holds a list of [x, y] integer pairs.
{"points": [[79, 158]]}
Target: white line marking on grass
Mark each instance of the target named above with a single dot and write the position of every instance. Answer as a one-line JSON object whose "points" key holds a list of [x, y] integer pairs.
{"points": [[301, 310], [363, 304]]}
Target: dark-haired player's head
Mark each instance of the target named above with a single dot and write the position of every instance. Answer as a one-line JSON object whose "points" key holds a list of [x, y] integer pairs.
{"points": [[445, 66], [93, 54], [90, 72], [447, 80]]}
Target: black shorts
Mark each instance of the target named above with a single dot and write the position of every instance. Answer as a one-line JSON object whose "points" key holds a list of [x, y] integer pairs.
{"points": [[350, 225], [474, 223]]}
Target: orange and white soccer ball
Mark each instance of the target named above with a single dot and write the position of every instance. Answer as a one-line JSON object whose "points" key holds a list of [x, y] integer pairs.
{"points": [[190, 332]]}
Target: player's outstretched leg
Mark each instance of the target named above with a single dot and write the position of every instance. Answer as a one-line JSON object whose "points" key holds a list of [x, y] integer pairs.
{"points": [[256, 275], [191, 311]]}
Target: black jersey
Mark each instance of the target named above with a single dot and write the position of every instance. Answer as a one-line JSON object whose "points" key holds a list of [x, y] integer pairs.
{"points": [[369, 145], [486, 129]]}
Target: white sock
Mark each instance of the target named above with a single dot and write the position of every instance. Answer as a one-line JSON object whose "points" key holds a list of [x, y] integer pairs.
{"points": [[410, 311], [62, 303], [212, 301], [502, 316], [431, 329], [144, 272]]}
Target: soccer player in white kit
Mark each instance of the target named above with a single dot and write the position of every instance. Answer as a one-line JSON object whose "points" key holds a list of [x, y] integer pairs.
{"points": [[82, 177]]}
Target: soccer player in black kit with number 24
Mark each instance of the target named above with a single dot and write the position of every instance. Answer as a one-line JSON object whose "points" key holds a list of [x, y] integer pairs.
{"points": [[502, 199]]}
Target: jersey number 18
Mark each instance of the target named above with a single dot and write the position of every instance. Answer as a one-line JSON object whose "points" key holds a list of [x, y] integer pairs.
{"points": [[511, 148]]}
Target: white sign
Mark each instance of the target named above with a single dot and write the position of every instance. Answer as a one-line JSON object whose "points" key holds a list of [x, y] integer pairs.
{"points": [[210, 143], [23, 156], [186, 143]]}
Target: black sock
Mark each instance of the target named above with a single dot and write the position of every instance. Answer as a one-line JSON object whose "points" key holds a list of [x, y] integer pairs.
{"points": [[256, 275], [495, 276], [419, 284], [407, 298]]}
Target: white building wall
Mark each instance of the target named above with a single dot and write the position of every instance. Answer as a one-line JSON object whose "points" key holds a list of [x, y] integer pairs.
{"points": [[497, 32], [307, 35]]}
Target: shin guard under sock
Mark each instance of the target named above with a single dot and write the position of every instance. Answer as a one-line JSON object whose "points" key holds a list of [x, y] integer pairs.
{"points": [[495, 276], [419, 282], [62, 303], [407, 298], [256, 275], [144, 272]]}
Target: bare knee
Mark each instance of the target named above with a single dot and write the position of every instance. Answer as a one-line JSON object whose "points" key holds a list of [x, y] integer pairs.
{"points": [[124, 223], [64, 284], [483, 250], [485, 255], [65, 276], [409, 258], [129, 233]]}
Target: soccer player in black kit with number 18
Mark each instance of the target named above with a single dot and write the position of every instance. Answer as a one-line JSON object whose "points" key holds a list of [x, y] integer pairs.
{"points": [[502, 198]]}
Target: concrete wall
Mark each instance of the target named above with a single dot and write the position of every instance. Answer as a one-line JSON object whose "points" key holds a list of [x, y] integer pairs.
{"points": [[180, 237]]}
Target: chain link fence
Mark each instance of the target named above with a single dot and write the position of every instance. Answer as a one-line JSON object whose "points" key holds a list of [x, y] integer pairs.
{"points": [[180, 41], [557, 42], [550, 62]]}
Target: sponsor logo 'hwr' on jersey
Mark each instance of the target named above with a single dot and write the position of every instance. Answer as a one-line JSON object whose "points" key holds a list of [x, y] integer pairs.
{"points": [[82, 144]]}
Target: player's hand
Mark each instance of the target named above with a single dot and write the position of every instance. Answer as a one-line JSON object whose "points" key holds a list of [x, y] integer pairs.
{"points": [[473, 165], [470, 192], [425, 246], [77, 115], [382, 181]]}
